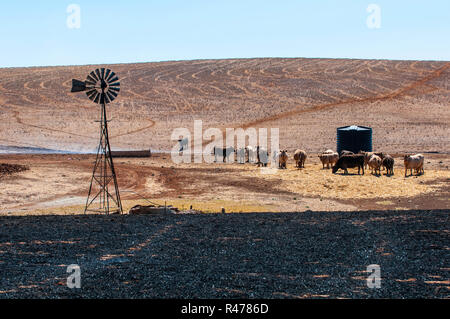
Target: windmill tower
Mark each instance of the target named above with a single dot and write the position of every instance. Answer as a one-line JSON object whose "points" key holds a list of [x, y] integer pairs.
{"points": [[102, 86]]}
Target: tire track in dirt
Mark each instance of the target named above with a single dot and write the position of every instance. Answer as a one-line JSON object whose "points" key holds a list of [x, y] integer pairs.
{"points": [[399, 92], [136, 130], [21, 122]]}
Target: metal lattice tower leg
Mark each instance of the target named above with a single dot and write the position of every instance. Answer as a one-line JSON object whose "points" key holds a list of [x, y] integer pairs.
{"points": [[104, 176]]}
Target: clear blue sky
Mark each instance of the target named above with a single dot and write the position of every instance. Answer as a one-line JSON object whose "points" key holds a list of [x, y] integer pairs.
{"points": [[35, 32]]}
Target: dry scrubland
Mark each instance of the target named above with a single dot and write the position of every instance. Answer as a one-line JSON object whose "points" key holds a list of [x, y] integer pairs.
{"points": [[315, 254], [406, 102], [58, 184]]}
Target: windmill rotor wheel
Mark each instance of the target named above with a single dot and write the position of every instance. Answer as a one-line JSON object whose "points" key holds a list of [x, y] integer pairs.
{"points": [[102, 86]]}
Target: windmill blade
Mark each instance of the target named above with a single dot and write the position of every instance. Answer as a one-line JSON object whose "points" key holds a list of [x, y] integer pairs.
{"points": [[91, 93], [111, 95], [106, 98], [114, 94], [115, 84], [110, 76], [97, 98], [91, 79], [92, 74], [97, 71], [108, 71], [115, 79], [93, 96], [103, 73], [117, 89]]}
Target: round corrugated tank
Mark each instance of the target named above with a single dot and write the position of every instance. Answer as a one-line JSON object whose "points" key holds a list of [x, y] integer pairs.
{"points": [[354, 138]]}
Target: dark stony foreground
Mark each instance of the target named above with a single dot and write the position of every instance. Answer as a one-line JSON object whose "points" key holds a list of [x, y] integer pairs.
{"points": [[304, 255]]}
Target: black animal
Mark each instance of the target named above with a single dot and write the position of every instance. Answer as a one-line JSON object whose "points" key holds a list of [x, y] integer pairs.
{"points": [[344, 152], [262, 156], [224, 152], [350, 161], [388, 162]]}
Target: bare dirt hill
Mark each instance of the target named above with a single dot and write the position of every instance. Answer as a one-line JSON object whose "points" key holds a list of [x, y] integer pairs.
{"points": [[406, 102]]}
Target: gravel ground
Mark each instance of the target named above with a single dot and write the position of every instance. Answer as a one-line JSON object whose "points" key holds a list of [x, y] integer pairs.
{"points": [[8, 169], [307, 255]]}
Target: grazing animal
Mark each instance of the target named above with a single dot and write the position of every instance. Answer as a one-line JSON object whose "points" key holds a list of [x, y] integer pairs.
{"points": [[262, 156], [349, 161], [368, 155], [240, 154], [328, 152], [375, 164], [183, 144], [224, 152], [283, 158], [251, 154], [344, 152], [300, 158], [414, 162], [328, 159], [276, 155], [388, 163]]}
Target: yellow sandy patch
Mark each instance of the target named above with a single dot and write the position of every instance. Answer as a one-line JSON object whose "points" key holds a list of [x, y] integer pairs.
{"points": [[315, 181]]}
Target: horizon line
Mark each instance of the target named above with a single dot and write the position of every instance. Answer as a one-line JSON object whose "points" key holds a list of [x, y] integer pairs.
{"points": [[219, 59]]}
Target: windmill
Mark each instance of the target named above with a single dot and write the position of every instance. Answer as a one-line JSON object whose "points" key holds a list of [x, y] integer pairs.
{"points": [[102, 86]]}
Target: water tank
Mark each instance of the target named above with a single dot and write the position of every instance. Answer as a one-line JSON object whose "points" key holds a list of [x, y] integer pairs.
{"points": [[354, 138]]}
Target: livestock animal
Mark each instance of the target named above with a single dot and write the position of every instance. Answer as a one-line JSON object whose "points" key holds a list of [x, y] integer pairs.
{"points": [[240, 154], [328, 152], [283, 158], [368, 155], [350, 161], [388, 163], [414, 162], [183, 144], [262, 156], [300, 158], [375, 164], [276, 155], [328, 159], [224, 152], [344, 152], [251, 154]]}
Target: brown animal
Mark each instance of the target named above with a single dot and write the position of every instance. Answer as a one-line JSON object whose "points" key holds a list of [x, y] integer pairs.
{"points": [[328, 159], [388, 163], [282, 159], [300, 158], [375, 164], [368, 155], [349, 161], [414, 162]]}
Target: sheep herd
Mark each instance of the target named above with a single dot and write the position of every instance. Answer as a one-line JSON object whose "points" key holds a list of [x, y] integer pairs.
{"points": [[376, 161]]}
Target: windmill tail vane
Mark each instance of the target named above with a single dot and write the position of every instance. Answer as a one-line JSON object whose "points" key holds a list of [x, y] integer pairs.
{"points": [[102, 86]]}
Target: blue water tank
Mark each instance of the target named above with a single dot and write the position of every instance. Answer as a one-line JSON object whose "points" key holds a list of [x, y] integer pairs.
{"points": [[354, 138]]}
